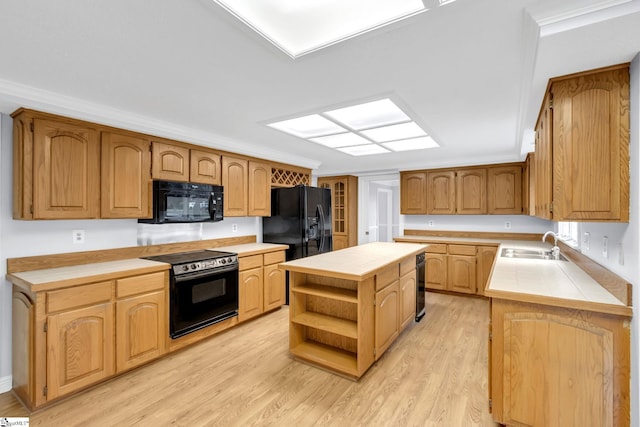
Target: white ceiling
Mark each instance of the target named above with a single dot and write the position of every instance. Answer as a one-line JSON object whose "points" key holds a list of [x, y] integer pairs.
{"points": [[472, 73]]}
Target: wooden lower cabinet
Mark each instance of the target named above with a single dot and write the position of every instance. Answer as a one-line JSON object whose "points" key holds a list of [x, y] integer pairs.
{"points": [[261, 284], [79, 348], [408, 288], [250, 293], [91, 332], [459, 268], [554, 366], [387, 317]]}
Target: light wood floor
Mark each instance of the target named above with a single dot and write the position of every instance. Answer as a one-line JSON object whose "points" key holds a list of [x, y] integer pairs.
{"points": [[434, 375]]}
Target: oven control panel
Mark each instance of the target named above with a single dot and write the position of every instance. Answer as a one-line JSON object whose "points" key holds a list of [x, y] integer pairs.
{"points": [[207, 264]]}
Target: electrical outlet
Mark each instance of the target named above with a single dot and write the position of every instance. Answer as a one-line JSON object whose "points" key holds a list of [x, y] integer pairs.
{"points": [[77, 236], [507, 225], [431, 223], [234, 228], [586, 240], [605, 247]]}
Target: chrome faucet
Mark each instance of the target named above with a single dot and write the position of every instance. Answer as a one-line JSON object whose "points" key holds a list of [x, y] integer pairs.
{"points": [[555, 251]]}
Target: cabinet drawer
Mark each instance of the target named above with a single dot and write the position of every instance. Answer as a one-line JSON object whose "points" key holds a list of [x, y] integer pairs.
{"points": [[387, 276], [248, 262], [407, 265], [140, 284], [462, 250], [79, 296], [436, 248], [273, 257]]}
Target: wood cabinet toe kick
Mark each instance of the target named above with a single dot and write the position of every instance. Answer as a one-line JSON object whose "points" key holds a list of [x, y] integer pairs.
{"points": [[347, 307]]}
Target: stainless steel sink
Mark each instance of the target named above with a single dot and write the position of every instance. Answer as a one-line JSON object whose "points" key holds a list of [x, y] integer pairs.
{"points": [[530, 254]]}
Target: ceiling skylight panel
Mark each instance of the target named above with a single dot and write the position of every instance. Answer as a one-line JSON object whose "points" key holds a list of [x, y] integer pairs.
{"points": [[394, 132], [341, 140], [308, 126], [364, 150], [370, 114], [412, 144]]}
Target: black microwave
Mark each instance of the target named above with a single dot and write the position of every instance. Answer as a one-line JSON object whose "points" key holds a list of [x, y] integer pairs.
{"points": [[176, 202]]}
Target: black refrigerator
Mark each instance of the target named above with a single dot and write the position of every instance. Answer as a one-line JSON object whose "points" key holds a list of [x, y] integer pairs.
{"points": [[301, 218]]}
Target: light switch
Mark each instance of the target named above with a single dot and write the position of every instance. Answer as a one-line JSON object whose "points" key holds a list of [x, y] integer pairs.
{"points": [[586, 240], [605, 247]]}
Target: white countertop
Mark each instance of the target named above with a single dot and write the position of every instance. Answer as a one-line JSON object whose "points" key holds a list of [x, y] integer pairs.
{"points": [[356, 262]]}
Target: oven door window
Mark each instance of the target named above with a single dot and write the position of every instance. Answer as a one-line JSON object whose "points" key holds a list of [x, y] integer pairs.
{"points": [[181, 207], [201, 301]]}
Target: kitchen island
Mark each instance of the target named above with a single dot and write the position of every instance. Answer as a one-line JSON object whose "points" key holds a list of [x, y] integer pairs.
{"points": [[348, 306]]}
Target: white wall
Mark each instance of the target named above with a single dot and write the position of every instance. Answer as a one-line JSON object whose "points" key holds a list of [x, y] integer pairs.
{"points": [[27, 238], [483, 223]]}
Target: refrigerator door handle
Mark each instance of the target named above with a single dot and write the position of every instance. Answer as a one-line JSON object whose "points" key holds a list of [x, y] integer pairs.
{"points": [[321, 229]]}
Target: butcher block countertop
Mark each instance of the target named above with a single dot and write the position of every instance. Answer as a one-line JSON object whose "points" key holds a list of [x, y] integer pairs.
{"points": [[62, 277], [550, 282], [356, 262], [248, 249]]}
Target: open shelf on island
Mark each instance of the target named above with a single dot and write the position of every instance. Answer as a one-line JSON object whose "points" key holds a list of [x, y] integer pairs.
{"points": [[331, 357], [335, 325], [330, 292]]}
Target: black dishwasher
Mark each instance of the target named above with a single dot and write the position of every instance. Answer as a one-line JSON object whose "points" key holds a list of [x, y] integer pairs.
{"points": [[420, 289]]}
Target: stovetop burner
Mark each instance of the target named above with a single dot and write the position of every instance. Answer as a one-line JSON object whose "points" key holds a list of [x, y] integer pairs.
{"points": [[189, 262]]}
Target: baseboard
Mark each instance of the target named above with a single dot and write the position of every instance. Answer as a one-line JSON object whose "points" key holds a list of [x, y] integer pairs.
{"points": [[5, 384]]}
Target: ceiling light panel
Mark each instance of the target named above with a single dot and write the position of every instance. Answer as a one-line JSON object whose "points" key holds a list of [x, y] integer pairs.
{"points": [[341, 140], [299, 27], [370, 114], [364, 150], [395, 132], [412, 144], [308, 126]]}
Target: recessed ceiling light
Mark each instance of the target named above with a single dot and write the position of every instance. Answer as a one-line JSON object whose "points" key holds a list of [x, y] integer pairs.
{"points": [[394, 132], [308, 126], [363, 150], [300, 27], [341, 140], [370, 114], [412, 144]]}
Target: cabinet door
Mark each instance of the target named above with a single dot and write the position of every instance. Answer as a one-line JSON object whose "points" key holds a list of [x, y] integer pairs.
{"points": [[471, 193], [205, 167], [441, 193], [504, 190], [251, 294], [141, 333], [407, 299], [66, 171], [543, 162], [461, 273], [340, 242], [436, 271], [274, 287], [126, 181], [170, 162], [79, 348], [387, 317], [236, 186], [413, 193], [591, 147], [259, 189], [486, 256]]}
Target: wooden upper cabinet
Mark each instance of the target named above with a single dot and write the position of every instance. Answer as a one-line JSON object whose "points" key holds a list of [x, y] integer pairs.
{"points": [[170, 162], [441, 192], [126, 181], [205, 167], [543, 162], [471, 187], [413, 193], [259, 189], [504, 190], [236, 186], [591, 146], [66, 171]]}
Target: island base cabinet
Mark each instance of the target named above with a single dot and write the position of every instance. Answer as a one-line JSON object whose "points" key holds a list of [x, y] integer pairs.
{"points": [[555, 366]]}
